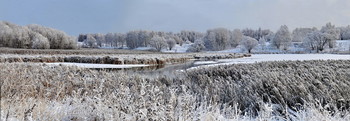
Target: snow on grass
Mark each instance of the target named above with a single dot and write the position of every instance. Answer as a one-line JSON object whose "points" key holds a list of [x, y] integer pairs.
{"points": [[204, 62], [255, 58], [99, 66], [145, 48]]}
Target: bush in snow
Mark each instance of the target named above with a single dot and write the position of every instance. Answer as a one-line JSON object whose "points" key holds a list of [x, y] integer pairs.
{"points": [[249, 43], [331, 34], [197, 46], [158, 43], [58, 39], [135, 39], [171, 43], [344, 32], [178, 40], [315, 41], [319, 40], [40, 42], [256, 34], [12, 35], [90, 42], [282, 38], [190, 35], [15, 36], [236, 37], [217, 39], [299, 34], [262, 43]]}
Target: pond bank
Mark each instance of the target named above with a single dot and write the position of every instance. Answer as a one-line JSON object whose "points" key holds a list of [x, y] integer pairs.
{"points": [[148, 59]]}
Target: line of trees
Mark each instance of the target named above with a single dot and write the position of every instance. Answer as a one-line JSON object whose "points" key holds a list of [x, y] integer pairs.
{"points": [[40, 37], [34, 36], [221, 38], [134, 39]]}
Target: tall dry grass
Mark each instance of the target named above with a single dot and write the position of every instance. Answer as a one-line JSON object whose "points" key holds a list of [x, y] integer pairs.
{"points": [[300, 90]]}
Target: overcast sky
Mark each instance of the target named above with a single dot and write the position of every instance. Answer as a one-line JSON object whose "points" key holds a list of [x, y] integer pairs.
{"points": [[102, 16]]}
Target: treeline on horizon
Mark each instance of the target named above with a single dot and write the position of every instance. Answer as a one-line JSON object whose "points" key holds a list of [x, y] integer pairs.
{"points": [[221, 38], [40, 37]]}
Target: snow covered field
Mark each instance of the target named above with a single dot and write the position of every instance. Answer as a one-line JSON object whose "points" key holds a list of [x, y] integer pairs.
{"points": [[255, 58], [285, 57]]}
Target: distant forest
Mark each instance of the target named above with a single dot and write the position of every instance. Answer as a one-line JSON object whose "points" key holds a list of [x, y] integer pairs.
{"points": [[40, 37]]}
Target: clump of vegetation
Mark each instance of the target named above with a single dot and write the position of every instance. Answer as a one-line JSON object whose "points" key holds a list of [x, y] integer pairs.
{"points": [[286, 84], [115, 57], [291, 90], [71, 52], [34, 37]]}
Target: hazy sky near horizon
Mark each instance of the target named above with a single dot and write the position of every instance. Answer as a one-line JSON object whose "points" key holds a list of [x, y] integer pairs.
{"points": [[103, 16]]}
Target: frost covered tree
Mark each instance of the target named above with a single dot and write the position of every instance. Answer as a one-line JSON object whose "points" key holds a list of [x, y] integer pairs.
{"points": [[217, 39], [144, 38], [282, 38], [316, 41], [319, 40], [111, 39], [344, 33], [190, 35], [121, 39], [236, 37], [256, 34], [90, 41], [197, 46], [249, 43], [299, 34], [262, 43], [21, 37], [131, 39], [178, 40], [140, 38], [310, 42], [248, 32], [270, 37], [58, 39], [100, 39], [331, 34], [171, 43], [82, 37], [40, 42], [158, 43], [5, 34], [12, 35]]}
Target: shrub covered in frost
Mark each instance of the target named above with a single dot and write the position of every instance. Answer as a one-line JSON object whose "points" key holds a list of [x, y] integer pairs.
{"points": [[34, 36], [40, 42]]}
